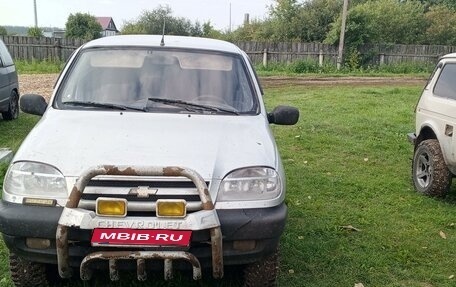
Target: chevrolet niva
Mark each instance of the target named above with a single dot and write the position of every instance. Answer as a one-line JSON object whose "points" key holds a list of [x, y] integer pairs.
{"points": [[153, 154], [434, 160]]}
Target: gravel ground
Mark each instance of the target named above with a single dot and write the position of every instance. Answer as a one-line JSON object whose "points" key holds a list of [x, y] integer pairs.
{"points": [[43, 84]]}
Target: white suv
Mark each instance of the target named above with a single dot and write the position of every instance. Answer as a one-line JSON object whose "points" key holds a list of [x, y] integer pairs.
{"points": [[152, 154], [434, 160]]}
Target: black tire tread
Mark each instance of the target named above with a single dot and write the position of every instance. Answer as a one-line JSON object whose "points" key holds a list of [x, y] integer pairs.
{"points": [[11, 115], [26, 273], [441, 177], [262, 273]]}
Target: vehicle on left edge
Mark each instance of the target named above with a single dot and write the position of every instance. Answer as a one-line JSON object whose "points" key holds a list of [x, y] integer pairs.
{"points": [[9, 85]]}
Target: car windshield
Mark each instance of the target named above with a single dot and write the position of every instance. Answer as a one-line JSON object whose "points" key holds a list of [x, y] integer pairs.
{"points": [[158, 80]]}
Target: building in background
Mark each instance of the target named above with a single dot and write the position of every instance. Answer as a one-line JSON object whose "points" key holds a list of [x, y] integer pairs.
{"points": [[108, 26]]}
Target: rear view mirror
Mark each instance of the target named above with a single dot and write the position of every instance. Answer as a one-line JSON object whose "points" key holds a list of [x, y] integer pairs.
{"points": [[283, 115], [33, 104]]}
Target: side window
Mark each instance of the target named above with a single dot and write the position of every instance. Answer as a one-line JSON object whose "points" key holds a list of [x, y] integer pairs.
{"points": [[446, 85], [5, 55]]}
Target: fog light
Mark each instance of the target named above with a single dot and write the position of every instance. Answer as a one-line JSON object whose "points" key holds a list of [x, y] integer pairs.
{"points": [[171, 208], [244, 245], [37, 243], [111, 206]]}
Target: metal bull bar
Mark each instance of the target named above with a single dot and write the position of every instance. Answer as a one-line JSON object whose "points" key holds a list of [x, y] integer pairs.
{"points": [[167, 256]]}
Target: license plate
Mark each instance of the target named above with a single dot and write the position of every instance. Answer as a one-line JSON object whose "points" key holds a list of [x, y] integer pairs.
{"points": [[140, 237]]}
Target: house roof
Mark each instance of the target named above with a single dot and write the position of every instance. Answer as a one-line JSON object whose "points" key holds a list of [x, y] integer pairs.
{"points": [[104, 22]]}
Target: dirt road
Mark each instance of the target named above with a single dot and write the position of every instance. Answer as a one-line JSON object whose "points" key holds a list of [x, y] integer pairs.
{"points": [[43, 84]]}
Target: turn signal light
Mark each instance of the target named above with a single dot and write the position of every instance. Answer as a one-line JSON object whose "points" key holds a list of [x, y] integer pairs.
{"points": [[171, 208], [111, 206]]}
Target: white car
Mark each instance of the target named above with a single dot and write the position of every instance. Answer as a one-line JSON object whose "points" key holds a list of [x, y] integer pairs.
{"points": [[154, 153], [434, 160]]}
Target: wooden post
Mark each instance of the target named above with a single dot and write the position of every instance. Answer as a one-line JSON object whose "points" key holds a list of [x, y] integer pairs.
{"points": [[320, 58], [342, 35], [265, 58], [382, 59]]}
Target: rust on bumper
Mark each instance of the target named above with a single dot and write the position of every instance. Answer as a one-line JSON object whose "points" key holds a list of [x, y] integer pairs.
{"points": [[139, 256], [168, 256]]}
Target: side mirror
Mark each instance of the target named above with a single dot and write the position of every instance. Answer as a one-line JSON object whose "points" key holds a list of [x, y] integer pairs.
{"points": [[33, 104], [283, 115]]}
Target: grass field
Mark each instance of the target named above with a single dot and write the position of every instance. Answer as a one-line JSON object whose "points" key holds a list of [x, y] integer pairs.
{"points": [[348, 164]]}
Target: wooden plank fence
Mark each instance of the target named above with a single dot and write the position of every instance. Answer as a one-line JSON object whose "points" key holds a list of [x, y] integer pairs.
{"points": [[266, 52], [29, 48], [43, 48]]}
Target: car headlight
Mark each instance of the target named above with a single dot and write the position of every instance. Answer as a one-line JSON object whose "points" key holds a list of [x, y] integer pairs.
{"points": [[253, 183], [36, 180]]}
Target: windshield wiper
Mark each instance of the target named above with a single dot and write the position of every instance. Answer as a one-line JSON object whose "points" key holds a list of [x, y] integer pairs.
{"points": [[104, 105], [192, 106]]}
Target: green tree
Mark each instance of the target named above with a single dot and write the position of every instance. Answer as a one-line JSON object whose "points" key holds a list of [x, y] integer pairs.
{"points": [[3, 31], [382, 21], [151, 22], [35, 32], [430, 3], [442, 26], [315, 18], [83, 26], [210, 32], [284, 20]]}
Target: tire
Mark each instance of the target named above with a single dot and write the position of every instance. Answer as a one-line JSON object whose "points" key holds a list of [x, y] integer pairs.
{"points": [[430, 173], [262, 273], [13, 109], [26, 273]]}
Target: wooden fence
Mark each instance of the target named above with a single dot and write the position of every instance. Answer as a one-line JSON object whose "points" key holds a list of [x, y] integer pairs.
{"points": [[265, 52], [28, 48]]}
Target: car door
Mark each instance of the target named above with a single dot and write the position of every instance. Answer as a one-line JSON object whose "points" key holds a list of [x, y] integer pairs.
{"points": [[4, 78], [442, 106]]}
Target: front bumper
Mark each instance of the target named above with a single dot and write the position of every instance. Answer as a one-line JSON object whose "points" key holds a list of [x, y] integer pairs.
{"points": [[262, 226]]}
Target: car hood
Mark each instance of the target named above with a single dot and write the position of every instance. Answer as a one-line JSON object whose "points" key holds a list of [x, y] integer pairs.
{"points": [[213, 145]]}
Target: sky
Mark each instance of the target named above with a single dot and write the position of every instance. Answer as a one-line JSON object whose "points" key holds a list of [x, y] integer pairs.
{"points": [[54, 13]]}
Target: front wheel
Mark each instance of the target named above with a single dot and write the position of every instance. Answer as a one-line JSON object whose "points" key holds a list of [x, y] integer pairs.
{"points": [[27, 273], [13, 108], [262, 273], [430, 173]]}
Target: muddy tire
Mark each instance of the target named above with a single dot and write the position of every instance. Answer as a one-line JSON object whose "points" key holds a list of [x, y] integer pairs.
{"points": [[26, 273], [430, 173], [13, 108], [262, 273]]}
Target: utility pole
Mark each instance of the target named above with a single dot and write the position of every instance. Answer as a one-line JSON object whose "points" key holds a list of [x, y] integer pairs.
{"points": [[36, 14], [230, 19], [342, 35]]}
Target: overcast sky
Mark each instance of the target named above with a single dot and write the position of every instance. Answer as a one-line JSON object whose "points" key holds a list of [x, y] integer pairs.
{"points": [[54, 13]]}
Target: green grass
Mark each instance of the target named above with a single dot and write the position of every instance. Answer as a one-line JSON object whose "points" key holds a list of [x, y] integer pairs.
{"points": [[312, 68], [347, 163], [38, 67]]}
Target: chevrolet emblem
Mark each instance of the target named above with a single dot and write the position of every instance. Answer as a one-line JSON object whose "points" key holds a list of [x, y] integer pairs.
{"points": [[143, 191]]}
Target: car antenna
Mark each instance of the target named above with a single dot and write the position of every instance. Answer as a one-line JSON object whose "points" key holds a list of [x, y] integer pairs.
{"points": [[162, 43]]}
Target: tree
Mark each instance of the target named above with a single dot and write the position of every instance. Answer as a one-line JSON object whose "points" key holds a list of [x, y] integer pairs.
{"points": [[35, 32], [442, 26], [382, 21], [315, 18], [151, 22], [83, 26], [3, 31]]}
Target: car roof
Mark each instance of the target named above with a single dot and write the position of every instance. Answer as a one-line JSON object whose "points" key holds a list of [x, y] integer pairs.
{"points": [[170, 42], [448, 56]]}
